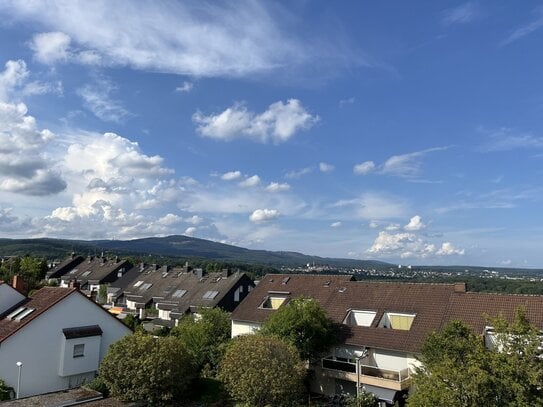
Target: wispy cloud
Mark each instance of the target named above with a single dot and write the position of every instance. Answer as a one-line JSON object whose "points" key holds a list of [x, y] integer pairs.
{"points": [[506, 139], [325, 167], [185, 87], [277, 124], [97, 98], [526, 29], [299, 173], [462, 14]]}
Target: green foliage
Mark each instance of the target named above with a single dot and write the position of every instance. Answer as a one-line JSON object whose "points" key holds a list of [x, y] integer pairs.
{"points": [[142, 367], [98, 385], [303, 323], [205, 337], [131, 321], [459, 371], [258, 370], [102, 294], [364, 399], [5, 391]]}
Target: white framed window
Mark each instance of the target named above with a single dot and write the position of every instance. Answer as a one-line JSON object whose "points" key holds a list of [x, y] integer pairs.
{"points": [[79, 350]]}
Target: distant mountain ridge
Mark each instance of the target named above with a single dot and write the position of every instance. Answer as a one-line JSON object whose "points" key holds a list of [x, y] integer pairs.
{"points": [[173, 246]]}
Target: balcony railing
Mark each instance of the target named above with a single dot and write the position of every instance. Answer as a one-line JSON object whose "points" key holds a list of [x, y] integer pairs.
{"points": [[366, 370]]}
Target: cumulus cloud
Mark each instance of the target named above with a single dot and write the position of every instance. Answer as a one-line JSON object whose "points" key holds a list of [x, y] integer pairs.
{"points": [[325, 167], [415, 223], [447, 249], [264, 215], [364, 168], [97, 98], [277, 187], [231, 175], [250, 182], [23, 167], [190, 231], [51, 47], [277, 124], [185, 87], [13, 75]]}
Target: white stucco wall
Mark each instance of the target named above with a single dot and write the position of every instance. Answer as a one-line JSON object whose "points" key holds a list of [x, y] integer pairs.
{"points": [[244, 328], [39, 345], [9, 297]]}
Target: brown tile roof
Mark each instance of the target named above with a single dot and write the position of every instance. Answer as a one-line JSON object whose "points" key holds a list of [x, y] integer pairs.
{"points": [[41, 301], [433, 304], [96, 270]]}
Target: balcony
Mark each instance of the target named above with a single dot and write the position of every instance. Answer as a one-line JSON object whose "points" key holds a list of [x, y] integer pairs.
{"points": [[371, 375]]}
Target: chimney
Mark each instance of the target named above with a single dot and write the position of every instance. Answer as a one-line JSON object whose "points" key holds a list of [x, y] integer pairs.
{"points": [[226, 273], [20, 284], [72, 256], [165, 268], [142, 266], [142, 314], [74, 284], [198, 272], [460, 287]]}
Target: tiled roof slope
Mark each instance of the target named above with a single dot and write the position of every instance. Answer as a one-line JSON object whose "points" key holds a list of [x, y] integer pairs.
{"points": [[42, 300], [433, 304], [96, 270], [65, 266]]}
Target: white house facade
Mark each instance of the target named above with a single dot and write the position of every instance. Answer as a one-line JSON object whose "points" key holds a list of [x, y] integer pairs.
{"points": [[59, 336]]}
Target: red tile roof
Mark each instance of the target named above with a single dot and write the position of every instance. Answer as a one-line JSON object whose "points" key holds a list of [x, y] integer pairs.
{"points": [[433, 304], [41, 301]]}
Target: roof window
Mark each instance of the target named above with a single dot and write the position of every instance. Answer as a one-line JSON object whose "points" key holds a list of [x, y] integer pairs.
{"points": [[20, 313], [359, 318], [137, 284], [273, 302], [397, 320], [209, 295], [179, 293], [146, 286]]}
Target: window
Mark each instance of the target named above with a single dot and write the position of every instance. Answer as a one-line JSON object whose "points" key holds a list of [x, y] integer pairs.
{"points": [[79, 350], [20, 313], [359, 318], [179, 293], [86, 273], [209, 295], [396, 320], [146, 286], [273, 302], [138, 283]]}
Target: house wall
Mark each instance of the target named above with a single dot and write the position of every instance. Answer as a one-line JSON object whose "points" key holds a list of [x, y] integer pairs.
{"points": [[244, 328], [9, 297], [39, 345]]}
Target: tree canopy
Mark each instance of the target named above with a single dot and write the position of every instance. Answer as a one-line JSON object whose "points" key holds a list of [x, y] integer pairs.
{"points": [[303, 323], [458, 370], [258, 370], [143, 367], [205, 337]]}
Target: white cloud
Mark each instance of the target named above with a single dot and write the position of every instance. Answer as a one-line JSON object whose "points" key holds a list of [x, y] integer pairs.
{"points": [[264, 215], [296, 174], [372, 206], [364, 168], [51, 47], [185, 87], [24, 168], [348, 101], [373, 224], [97, 98], [335, 224], [190, 231], [447, 249], [12, 76], [277, 124], [464, 13], [507, 139], [169, 219], [195, 220], [215, 39], [250, 182], [407, 165], [231, 175], [526, 29], [277, 187], [324, 167], [415, 223]]}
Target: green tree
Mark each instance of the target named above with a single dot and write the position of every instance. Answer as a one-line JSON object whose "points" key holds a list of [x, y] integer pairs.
{"points": [[205, 337], [303, 323], [258, 370], [33, 268], [5, 391], [459, 371], [142, 367], [364, 399]]}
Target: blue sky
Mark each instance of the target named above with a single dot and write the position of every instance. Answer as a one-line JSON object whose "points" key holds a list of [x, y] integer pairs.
{"points": [[408, 132]]}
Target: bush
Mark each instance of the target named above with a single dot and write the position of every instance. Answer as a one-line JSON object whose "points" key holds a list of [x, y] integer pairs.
{"points": [[5, 391], [142, 367], [258, 370]]}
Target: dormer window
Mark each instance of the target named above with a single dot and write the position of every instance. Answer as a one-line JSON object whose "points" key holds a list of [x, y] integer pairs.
{"points": [[359, 318], [397, 320], [272, 302]]}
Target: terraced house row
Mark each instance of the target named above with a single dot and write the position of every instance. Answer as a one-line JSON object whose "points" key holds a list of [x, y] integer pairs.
{"points": [[385, 323]]}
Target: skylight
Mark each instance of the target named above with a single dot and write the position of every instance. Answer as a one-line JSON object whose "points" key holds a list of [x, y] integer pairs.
{"points": [[137, 284], [209, 295], [146, 286], [20, 313], [179, 293], [86, 273]]}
